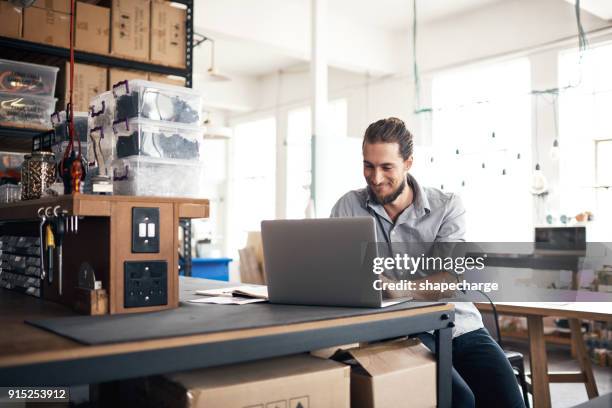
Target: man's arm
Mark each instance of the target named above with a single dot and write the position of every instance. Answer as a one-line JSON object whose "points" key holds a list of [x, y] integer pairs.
{"points": [[452, 229]]}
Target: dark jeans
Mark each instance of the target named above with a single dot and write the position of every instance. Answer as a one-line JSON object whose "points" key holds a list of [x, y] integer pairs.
{"points": [[482, 375]]}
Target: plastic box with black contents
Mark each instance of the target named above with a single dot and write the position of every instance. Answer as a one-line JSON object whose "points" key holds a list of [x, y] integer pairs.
{"points": [[156, 158], [150, 134]]}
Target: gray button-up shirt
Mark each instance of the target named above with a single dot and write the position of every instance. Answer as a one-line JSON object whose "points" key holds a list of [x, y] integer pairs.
{"points": [[433, 216]]}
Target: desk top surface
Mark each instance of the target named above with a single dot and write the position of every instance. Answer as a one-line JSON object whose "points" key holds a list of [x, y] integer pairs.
{"points": [[579, 310], [21, 343]]}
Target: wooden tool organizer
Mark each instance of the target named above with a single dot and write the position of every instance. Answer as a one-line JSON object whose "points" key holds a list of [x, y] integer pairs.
{"points": [[109, 238]]}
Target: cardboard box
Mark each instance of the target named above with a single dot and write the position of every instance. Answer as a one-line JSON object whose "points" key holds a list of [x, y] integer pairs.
{"points": [[89, 80], [392, 375], [287, 382], [63, 6], [117, 75], [167, 79], [130, 29], [92, 31], [11, 20], [168, 31], [46, 26]]}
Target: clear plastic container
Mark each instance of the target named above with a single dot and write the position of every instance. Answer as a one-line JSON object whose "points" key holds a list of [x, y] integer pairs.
{"points": [[102, 111], [9, 193], [100, 150], [24, 78], [151, 100], [58, 119], [144, 137], [150, 176], [28, 111]]}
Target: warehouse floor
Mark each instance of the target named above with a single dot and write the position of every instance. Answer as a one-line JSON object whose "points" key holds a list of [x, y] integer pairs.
{"points": [[565, 395]]}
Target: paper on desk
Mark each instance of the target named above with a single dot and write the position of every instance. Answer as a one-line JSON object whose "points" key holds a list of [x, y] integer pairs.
{"points": [[226, 300], [250, 291]]}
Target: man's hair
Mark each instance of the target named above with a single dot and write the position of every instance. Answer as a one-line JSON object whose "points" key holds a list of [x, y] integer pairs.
{"points": [[390, 130]]}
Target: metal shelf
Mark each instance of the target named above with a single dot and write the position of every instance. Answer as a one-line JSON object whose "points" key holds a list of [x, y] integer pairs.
{"points": [[82, 56], [17, 139]]}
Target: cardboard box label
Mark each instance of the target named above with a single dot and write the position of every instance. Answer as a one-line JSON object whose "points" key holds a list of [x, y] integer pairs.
{"points": [[130, 29], [168, 30]]}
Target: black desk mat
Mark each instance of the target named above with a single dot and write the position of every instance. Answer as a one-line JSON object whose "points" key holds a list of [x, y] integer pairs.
{"points": [[190, 318]]}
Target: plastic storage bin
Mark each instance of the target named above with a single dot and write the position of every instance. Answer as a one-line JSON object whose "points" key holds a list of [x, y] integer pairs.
{"points": [[28, 111], [102, 111], [9, 193], [144, 137], [101, 150], [211, 268], [58, 119], [151, 176], [151, 100], [24, 78]]}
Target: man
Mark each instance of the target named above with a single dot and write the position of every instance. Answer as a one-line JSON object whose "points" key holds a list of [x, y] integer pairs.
{"points": [[407, 212]]}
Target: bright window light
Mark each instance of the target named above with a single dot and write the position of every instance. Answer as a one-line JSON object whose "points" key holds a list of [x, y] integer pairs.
{"points": [[481, 123]]}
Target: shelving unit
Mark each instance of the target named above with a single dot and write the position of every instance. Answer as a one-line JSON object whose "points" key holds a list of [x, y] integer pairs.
{"points": [[20, 139]]}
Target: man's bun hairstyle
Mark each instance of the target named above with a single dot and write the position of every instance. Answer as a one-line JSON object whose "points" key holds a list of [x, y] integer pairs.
{"points": [[390, 130]]}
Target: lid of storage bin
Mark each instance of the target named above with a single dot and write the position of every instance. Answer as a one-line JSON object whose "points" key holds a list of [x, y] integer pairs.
{"points": [[129, 85], [14, 95], [124, 127], [148, 160], [15, 72], [29, 64]]}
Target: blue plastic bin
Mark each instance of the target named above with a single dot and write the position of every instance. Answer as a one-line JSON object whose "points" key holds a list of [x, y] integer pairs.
{"points": [[211, 268]]}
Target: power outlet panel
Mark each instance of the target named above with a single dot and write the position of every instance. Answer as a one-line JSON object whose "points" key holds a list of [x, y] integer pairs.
{"points": [[146, 283], [145, 230]]}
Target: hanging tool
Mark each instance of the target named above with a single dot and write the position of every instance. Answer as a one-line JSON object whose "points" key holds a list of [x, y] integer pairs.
{"points": [[43, 220], [72, 167], [59, 240], [50, 242]]}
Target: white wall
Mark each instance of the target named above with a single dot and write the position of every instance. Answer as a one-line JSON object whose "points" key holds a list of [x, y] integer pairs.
{"points": [[538, 29]]}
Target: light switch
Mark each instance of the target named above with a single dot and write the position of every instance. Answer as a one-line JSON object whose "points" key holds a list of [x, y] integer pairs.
{"points": [[142, 230], [150, 230]]}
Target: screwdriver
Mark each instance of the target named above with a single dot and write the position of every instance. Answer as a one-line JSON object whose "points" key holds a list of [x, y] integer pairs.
{"points": [[50, 241], [59, 231]]}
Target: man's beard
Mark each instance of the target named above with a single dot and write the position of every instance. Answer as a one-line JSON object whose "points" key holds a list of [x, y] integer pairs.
{"points": [[388, 199]]}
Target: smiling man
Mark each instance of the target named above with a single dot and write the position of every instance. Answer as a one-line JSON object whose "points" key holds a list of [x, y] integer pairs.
{"points": [[405, 212]]}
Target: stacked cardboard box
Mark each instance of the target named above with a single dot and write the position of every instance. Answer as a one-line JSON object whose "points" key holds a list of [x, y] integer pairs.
{"points": [[10, 20], [89, 80], [92, 28], [168, 34], [48, 22], [130, 35]]}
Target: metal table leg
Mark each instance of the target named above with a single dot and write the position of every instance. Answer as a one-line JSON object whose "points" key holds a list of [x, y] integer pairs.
{"points": [[444, 364]]}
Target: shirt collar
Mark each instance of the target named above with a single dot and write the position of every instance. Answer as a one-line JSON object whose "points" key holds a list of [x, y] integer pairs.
{"points": [[418, 208]]}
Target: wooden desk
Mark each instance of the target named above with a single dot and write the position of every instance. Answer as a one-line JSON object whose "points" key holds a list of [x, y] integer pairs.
{"points": [[31, 356], [535, 312]]}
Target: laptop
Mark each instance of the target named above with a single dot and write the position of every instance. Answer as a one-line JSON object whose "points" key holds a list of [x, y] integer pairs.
{"points": [[324, 262]]}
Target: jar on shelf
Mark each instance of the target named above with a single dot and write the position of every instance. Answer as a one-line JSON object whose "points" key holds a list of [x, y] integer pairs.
{"points": [[37, 175]]}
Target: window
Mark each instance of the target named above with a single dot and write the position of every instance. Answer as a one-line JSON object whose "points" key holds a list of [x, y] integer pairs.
{"points": [[253, 182], [481, 125], [585, 146]]}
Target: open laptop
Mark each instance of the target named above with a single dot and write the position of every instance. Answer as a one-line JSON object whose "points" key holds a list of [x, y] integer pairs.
{"points": [[322, 262]]}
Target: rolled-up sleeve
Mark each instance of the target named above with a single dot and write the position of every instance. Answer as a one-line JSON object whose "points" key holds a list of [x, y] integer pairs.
{"points": [[453, 226]]}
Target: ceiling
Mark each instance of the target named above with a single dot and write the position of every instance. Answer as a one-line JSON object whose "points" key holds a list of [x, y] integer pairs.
{"points": [[396, 15], [258, 38]]}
